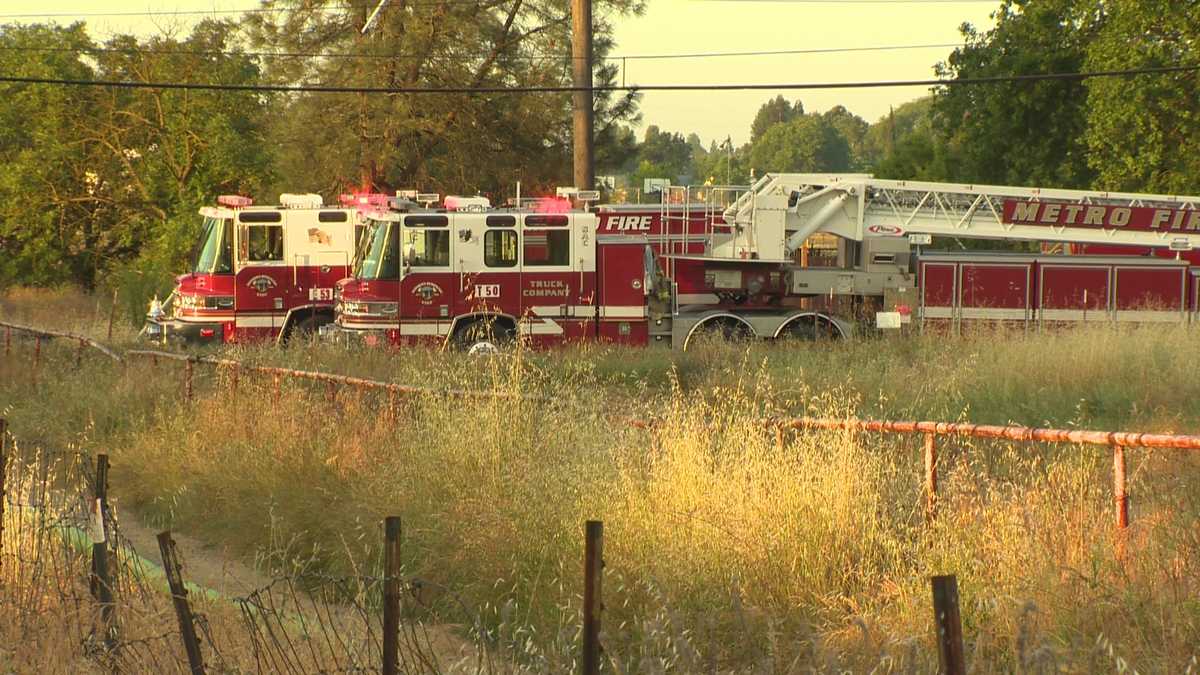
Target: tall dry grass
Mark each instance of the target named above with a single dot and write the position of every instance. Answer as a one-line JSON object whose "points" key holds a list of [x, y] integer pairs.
{"points": [[725, 552]]}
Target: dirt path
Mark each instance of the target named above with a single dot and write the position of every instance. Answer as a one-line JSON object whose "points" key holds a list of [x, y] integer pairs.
{"points": [[203, 564], [215, 568]]}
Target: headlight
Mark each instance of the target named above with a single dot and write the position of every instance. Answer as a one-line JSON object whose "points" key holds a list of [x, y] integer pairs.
{"points": [[185, 301]]}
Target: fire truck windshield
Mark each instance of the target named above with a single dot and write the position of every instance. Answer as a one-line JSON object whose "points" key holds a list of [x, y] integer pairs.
{"points": [[215, 251], [379, 255]]}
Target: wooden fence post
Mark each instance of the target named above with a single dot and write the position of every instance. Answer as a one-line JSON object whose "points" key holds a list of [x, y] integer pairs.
{"points": [[7, 340], [931, 476], [948, 623], [187, 379], [391, 595], [112, 310], [593, 569], [183, 610], [79, 353], [3, 477], [275, 396], [37, 356], [102, 583]]}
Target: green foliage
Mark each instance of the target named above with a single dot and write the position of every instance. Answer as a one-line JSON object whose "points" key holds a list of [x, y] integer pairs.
{"points": [[1143, 132], [448, 143], [94, 179], [1023, 133], [775, 111], [808, 143]]}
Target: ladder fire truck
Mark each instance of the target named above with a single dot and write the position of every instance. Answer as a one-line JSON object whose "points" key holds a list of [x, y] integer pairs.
{"points": [[260, 272], [792, 256]]}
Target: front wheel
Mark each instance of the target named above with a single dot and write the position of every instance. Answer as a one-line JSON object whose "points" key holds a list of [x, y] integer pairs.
{"points": [[483, 336], [304, 330]]}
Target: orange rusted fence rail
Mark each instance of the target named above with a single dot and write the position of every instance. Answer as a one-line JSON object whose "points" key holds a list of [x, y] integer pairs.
{"points": [[1118, 441], [40, 333]]}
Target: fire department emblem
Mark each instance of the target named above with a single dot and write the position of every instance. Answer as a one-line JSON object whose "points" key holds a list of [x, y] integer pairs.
{"points": [[427, 292], [261, 283]]}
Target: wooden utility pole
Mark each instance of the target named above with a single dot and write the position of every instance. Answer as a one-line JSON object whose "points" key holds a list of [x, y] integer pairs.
{"points": [[581, 99]]}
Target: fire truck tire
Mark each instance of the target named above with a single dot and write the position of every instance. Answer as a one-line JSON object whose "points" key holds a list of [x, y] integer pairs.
{"points": [[719, 329], [305, 329], [810, 329], [483, 336]]}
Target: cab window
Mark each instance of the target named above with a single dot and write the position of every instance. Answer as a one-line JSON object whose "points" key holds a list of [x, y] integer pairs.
{"points": [[547, 248], [427, 248], [262, 243], [500, 248]]}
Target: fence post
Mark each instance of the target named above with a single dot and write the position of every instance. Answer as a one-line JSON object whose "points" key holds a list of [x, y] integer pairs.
{"points": [[112, 310], [1120, 496], [331, 391], [102, 587], [37, 356], [593, 568], [948, 624], [7, 340], [931, 476], [391, 595], [183, 611], [79, 353], [275, 396], [187, 379], [779, 437], [3, 475]]}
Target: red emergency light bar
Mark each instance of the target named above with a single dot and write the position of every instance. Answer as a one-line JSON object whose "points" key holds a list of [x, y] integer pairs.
{"points": [[234, 201], [364, 199]]}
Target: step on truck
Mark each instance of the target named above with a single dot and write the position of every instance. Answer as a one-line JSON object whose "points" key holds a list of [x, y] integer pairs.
{"points": [[794, 256], [260, 272]]}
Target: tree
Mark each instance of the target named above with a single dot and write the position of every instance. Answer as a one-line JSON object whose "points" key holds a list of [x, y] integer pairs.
{"points": [[48, 201], [852, 128], [118, 173], [439, 142], [1143, 133], [774, 111], [665, 152], [1021, 133], [807, 143]]}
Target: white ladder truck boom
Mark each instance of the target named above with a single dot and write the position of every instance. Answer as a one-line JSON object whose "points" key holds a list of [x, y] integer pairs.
{"points": [[788, 208]]}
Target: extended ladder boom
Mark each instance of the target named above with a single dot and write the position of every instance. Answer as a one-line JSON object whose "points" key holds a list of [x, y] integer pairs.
{"points": [[788, 208]]}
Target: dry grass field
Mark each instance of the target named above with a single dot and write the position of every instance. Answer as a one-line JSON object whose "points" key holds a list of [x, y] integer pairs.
{"points": [[724, 551]]}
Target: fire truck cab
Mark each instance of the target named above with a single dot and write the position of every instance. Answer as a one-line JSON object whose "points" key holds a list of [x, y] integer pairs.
{"points": [[259, 272], [472, 276]]}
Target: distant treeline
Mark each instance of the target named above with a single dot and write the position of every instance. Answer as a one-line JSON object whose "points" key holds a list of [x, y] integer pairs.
{"points": [[101, 185]]}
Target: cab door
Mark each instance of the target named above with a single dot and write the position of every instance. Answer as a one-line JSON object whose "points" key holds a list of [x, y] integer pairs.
{"points": [[490, 270], [429, 280], [264, 277]]}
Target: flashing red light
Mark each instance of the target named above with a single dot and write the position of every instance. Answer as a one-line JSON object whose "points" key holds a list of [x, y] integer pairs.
{"points": [[552, 205], [364, 199], [207, 332], [234, 201]]}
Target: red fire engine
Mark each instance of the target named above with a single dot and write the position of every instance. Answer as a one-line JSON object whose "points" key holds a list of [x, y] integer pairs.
{"points": [[793, 256], [260, 272]]}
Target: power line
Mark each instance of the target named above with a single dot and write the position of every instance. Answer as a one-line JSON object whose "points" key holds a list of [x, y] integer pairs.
{"points": [[226, 12], [321, 89], [549, 57], [432, 3]]}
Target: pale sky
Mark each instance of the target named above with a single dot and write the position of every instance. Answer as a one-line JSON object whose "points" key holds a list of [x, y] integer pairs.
{"points": [[692, 26]]}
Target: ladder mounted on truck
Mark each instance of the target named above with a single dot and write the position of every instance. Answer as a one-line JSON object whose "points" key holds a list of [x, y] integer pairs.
{"points": [[784, 209]]}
